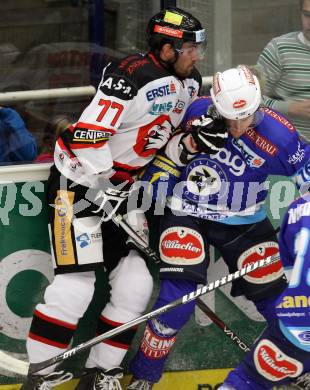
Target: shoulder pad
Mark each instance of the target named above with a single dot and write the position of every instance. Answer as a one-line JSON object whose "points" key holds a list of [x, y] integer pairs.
{"points": [[117, 85], [141, 69], [279, 119]]}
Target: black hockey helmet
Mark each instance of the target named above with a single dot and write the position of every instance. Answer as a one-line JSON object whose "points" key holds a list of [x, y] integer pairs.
{"points": [[175, 26]]}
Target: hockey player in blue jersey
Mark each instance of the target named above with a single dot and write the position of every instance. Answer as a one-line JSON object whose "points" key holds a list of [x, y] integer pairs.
{"points": [[284, 348], [218, 200]]}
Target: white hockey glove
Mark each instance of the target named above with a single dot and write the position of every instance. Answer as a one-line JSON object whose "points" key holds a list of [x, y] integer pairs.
{"points": [[210, 134], [112, 198], [113, 202]]}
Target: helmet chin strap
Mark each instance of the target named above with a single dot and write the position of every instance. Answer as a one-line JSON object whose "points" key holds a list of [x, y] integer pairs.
{"points": [[169, 65]]}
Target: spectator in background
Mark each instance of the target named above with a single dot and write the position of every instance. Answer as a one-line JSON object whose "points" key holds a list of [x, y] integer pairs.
{"points": [[52, 131], [285, 62], [16, 142]]}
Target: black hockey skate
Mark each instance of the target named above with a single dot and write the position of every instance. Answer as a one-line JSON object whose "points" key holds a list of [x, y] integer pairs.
{"points": [[46, 382], [98, 379], [140, 384]]}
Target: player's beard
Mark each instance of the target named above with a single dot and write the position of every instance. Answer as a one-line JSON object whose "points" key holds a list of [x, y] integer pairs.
{"points": [[185, 72]]}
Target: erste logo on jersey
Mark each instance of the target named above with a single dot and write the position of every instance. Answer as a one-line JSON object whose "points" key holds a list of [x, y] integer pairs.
{"points": [[252, 159], [205, 181], [164, 90], [118, 87], [153, 136], [181, 246], [258, 252], [274, 364]]}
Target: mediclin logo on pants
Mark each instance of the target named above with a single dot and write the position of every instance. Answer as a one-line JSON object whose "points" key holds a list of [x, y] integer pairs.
{"points": [[273, 364], [182, 246], [154, 346]]}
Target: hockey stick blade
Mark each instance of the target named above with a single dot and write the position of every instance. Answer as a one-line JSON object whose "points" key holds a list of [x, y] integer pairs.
{"points": [[184, 299], [10, 363], [232, 335]]}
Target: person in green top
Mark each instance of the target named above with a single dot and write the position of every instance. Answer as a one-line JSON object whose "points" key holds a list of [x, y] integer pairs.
{"points": [[285, 64]]}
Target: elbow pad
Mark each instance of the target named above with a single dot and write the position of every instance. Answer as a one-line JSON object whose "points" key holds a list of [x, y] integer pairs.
{"points": [[161, 174]]}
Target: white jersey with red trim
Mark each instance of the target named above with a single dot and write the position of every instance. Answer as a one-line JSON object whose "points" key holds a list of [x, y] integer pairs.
{"points": [[136, 109]]}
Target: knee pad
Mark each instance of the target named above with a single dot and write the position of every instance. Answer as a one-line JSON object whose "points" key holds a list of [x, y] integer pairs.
{"points": [[68, 296], [131, 286]]}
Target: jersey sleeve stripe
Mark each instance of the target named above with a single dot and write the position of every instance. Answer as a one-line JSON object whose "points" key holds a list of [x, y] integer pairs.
{"points": [[90, 126]]}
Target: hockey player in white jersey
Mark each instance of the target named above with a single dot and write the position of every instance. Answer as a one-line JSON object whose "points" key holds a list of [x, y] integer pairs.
{"points": [[139, 104]]}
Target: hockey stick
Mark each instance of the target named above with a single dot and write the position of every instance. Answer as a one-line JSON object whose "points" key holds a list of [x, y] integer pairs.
{"points": [[15, 365], [141, 244], [138, 241], [232, 335], [221, 324]]}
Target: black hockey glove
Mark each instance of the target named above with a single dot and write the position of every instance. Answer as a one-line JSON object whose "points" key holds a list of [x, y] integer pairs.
{"points": [[209, 134]]}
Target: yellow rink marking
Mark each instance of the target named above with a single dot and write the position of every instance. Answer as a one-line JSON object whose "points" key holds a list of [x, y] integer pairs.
{"points": [[177, 380]]}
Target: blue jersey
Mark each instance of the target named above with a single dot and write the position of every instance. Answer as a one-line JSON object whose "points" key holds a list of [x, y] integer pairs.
{"points": [[293, 307], [230, 186]]}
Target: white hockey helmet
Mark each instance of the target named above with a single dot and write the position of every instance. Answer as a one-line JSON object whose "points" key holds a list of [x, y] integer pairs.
{"points": [[236, 93]]}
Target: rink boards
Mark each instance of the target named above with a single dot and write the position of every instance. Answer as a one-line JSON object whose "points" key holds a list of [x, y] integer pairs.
{"points": [[202, 354]]}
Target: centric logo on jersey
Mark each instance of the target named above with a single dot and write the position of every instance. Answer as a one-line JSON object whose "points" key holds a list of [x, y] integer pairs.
{"points": [[205, 180]]}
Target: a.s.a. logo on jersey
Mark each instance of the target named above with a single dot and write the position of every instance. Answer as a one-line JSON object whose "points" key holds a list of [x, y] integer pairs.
{"points": [[153, 136], [205, 180]]}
